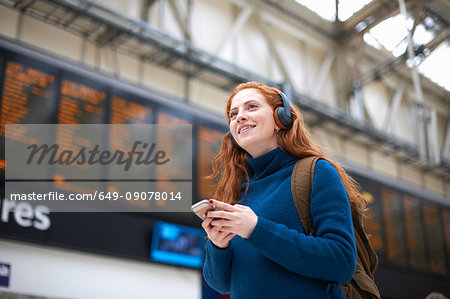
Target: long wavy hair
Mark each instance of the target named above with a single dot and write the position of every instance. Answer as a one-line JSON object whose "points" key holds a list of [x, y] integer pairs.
{"points": [[229, 167]]}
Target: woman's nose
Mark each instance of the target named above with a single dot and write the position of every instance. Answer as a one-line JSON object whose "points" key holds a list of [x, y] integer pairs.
{"points": [[241, 117]]}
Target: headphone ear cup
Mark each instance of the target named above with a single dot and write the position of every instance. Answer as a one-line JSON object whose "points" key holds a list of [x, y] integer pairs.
{"points": [[280, 118], [282, 114]]}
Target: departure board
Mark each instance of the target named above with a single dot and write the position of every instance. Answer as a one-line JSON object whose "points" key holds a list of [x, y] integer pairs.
{"points": [[209, 142], [27, 91], [81, 101], [372, 224], [172, 144], [393, 227], [41, 93], [415, 241], [446, 222], [27, 97], [434, 238], [128, 109]]}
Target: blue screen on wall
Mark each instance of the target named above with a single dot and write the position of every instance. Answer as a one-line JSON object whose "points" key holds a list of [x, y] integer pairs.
{"points": [[177, 244]]}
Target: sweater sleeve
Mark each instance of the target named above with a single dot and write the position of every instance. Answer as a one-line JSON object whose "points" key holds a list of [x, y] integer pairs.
{"points": [[331, 254], [217, 267]]}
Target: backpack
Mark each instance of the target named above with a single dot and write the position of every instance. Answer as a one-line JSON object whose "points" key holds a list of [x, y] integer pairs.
{"points": [[362, 284]]}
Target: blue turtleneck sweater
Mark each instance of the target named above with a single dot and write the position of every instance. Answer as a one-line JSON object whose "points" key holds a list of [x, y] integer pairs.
{"points": [[278, 260]]}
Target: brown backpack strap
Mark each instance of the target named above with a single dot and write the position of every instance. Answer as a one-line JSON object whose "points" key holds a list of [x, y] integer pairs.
{"points": [[301, 186], [362, 284], [365, 249]]}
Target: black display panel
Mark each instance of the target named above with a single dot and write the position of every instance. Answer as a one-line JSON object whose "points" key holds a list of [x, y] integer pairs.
{"points": [[434, 238], [208, 148], [37, 92], [28, 96], [394, 233], [81, 101], [446, 223], [128, 109], [415, 241], [372, 223]]}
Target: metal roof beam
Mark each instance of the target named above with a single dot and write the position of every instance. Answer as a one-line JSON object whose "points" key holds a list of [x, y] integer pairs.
{"points": [[443, 36], [181, 21], [445, 153], [391, 112], [372, 17], [446, 2], [417, 17], [362, 14], [321, 75], [273, 49], [240, 21], [145, 7]]}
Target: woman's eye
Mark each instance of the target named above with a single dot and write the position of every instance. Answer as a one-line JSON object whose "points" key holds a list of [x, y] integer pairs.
{"points": [[252, 106], [233, 114]]}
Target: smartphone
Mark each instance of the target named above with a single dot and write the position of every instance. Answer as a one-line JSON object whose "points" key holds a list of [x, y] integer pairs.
{"points": [[202, 207]]}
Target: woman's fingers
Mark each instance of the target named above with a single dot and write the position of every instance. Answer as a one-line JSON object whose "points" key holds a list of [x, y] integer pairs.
{"points": [[219, 237], [227, 229], [210, 229], [206, 223], [219, 214], [221, 205], [237, 219], [216, 233], [220, 222], [228, 237], [224, 210]]}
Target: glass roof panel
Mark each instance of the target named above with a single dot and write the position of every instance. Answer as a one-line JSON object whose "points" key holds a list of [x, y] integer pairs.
{"points": [[324, 8], [391, 34], [327, 8], [348, 8], [436, 65]]}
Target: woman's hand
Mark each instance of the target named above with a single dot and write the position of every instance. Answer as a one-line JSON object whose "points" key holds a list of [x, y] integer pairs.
{"points": [[233, 219], [219, 238]]}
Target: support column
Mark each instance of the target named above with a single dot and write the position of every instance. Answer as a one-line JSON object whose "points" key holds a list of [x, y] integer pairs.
{"points": [[421, 117]]}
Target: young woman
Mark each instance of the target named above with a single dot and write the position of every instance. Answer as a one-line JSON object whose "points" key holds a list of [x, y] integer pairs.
{"points": [[256, 244]]}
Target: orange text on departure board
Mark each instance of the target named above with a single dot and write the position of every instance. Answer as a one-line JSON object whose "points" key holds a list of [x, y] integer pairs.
{"points": [[20, 82], [30, 77], [80, 91]]}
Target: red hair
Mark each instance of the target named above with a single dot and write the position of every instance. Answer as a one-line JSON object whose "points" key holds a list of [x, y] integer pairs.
{"points": [[230, 164]]}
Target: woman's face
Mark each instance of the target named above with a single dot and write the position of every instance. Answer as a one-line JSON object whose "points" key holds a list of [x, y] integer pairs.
{"points": [[252, 124]]}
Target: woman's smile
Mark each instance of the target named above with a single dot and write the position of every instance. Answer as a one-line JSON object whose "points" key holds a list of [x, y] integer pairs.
{"points": [[244, 129]]}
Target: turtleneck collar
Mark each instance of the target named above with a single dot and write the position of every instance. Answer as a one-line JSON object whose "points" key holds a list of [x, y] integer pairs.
{"points": [[268, 163]]}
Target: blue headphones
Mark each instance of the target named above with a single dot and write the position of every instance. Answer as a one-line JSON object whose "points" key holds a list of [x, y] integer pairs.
{"points": [[282, 115]]}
